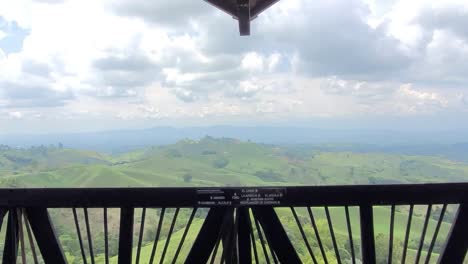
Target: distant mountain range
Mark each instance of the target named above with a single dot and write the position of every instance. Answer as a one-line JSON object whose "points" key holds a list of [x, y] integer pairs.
{"points": [[417, 142]]}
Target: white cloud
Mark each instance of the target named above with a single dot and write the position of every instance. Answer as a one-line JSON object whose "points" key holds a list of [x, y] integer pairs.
{"points": [[273, 61], [133, 60], [409, 100], [15, 114], [252, 62], [2, 34]]}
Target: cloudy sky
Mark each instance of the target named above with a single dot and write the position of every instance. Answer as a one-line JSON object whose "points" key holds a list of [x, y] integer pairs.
{"points": [[73, 65]]}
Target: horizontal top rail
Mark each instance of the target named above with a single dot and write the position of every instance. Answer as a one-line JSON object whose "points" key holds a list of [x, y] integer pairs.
{"points": [[436, 193]]}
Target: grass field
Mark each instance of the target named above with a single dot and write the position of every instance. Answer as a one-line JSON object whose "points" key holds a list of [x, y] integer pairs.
{"points": [[229, 162]]}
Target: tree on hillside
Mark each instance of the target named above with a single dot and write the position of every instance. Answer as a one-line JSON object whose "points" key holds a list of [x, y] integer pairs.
{"points": [[220, 162], [173, 153], [188, 177], [381, 249], [4, 147]]}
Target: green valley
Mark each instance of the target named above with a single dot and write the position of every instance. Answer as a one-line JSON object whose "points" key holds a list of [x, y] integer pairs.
{"points": [[229, 162]]}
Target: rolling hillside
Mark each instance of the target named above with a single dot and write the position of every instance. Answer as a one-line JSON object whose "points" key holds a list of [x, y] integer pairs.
{"points": [[215, 162], [225, 162]]}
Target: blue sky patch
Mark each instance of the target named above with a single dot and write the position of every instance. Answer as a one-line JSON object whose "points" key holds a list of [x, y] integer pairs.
{"points": [[14, 36]]}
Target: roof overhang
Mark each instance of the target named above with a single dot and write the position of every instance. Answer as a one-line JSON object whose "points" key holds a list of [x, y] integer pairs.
{"points": [[243, 10]]}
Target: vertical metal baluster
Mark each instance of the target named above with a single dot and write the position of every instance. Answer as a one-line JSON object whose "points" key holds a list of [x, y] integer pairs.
{"points": [[366, 216], [215, 250], [408, 230], [456, 245], [262, 241], [276, 235], [2, 215], [235, 244], [10, 249], [235, 239], [140, 235], [80, 240], [423, 235], [267, 239], [390, 243], [168, 239], [30, 238], [220, 234], [244, 237], [21, 235], [252, 235], [314, 226], [436, 232], [272, 252], [184, 235], [44, 232], [332, 233], [304, 237], [350, 235], [227, 241], [231, 241], [88, 232], [106, 238], [158, 232], [127, 220]]}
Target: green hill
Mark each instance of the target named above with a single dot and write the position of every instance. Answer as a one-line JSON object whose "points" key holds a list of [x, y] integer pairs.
{"points": [[16, 161], [219, 162], [227, 162]]}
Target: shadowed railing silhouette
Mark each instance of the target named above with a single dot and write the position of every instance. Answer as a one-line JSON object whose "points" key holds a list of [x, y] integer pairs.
{"points": [[317, 224]]}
